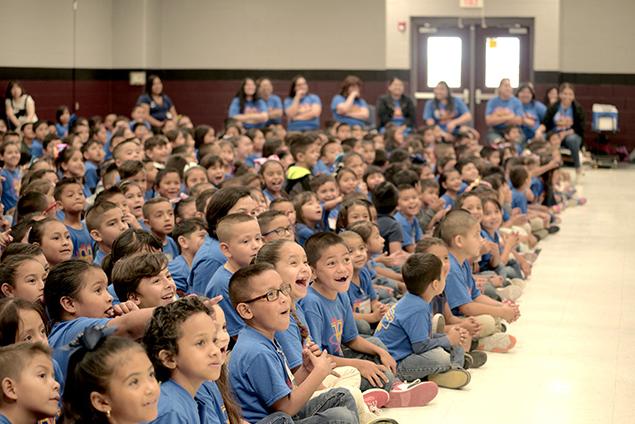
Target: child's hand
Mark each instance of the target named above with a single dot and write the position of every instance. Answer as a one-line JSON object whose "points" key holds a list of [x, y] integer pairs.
{"points": [[123, 308], [383, 308], [388, 361], [438, 205], [5, 239], [455, 337], [211, 302], [375, 374], [510, 313], [322, 364], [513, 239], [313, 348], [471, 325], [131, 220]]}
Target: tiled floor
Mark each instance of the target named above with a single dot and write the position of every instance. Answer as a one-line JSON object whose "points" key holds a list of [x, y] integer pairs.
{"points": [[575, 357]]}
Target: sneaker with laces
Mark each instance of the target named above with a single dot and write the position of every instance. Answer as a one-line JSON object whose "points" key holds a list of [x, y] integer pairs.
{"points": [[409, 394], [479, 358], [376, 398], [510, 292], [497, 342], [438, 324], [451, 379]]}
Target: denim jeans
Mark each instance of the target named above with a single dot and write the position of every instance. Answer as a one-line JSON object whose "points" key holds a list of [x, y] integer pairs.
{"points": [[276, 418], [509, 270], [435, 361], [365, 385], [363, 327], [337, 406], [573, 142]]}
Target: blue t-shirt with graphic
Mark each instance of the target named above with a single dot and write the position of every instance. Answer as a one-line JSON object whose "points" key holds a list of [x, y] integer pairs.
{"points": [[537, 111], [361, 296], [211, 407], [512, 104], [250, 106], [305, 105], [359, 103], [273, 102], [82, 242], [438, 111]]}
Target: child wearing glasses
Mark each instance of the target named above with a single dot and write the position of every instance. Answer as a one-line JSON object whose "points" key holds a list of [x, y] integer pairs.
{"points": [[275, 225]]}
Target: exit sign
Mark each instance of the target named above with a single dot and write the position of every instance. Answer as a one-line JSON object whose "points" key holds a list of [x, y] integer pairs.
{"points": [[471, 4]]}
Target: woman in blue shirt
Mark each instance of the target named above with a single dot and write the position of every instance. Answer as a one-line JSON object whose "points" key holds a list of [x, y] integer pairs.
{"points": [[303, 109], [247, 107], [274, 104], [534, 112], [159, 107], [348, 107], [502, 111], [448, 112]]}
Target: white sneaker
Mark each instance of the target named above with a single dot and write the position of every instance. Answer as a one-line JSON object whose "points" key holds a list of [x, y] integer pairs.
{"points": [[510, 292]]}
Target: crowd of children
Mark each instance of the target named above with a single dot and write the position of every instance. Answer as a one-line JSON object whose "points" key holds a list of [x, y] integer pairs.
{"points": [[182, 274]]}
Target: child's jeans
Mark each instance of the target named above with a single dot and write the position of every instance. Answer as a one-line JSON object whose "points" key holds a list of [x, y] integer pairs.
{"points": [[365, 384], [350, 379], [276, 418], [435, 361], [510, 270], [363, 327], [337, 406]]}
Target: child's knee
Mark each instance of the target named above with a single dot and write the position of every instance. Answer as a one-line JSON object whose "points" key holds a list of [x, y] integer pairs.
{"points": [[363, 327], [487, 323], [340, 415]]}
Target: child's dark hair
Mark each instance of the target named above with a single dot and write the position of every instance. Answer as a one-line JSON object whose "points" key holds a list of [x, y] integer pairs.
{"points": [[179, 206], [89, 371], [319, 180], [518, 175], [9, 268], [33, 202], [128, 243], [152, 202], [155, 141], [37, 230], [270, 252], [164, 331], [370, 170], [96, 212], [419, 271], [265, 218], [456, 223], [239, 284], [364, 229], [444, 177], [211, 160], [463, 197], [64, 156], [220, 204], [128, 272], [106, 195], [64, 279], [299, 143], [342, 216], [429, 183], [318, 242], [10, 321], [203, 199], [385, 198], [187, 227], [405, 177], [21, 249], [62, 184], [427, 242], [130, 168], [164, 173]]}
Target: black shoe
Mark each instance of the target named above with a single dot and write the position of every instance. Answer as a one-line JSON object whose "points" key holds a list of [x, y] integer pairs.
{"points": [[479, 358], [468, 361], [553, 229]]}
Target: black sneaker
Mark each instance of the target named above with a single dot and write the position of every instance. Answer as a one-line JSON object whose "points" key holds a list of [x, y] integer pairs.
{"points": [[468, 361], [479, 358], [553, 229]]}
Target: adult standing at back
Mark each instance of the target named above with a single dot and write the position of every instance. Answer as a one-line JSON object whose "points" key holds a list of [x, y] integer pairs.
{"points": [[502, 111], [349, 107], [264, 88], [395, 107], [566, 118], [446, 111], [247, 107], [533, 112], [158, 105], [19, 106], [303, 109]]}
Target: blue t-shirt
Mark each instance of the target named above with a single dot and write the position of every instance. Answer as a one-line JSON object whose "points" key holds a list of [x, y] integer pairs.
{"points": [[179, 270], [460, 287], [250, 107], [82, 243], [273, 102], [411, 230], [158, 112], [302, 233], [321, 168], [519, 200], [407, 322], [363, 295], [563, 113], [219, 284], [176, 405], [449, 201], [483, 263], [537, 186], [211, 407], [64, 332], [512, 104], [61, 130], [439, 112], [258, 374], [537, 111], [304, 106], [99, 257], [397, 115], [331, 322], [4, 420], [170, 248], [207, 260], [10, 185], [90, 177], [37, 149], [291, 339], [361, 103]]}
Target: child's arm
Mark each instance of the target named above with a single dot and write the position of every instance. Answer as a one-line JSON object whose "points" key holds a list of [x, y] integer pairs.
{"points": [[330, 204], [132, 324], [372, 372], [388, 273], [483, 305], [320, 367], [362, 345], [378, 311]]}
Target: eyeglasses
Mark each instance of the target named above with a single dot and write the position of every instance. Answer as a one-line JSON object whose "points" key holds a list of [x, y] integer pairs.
{"points": [[280, 231], [273, 294]]}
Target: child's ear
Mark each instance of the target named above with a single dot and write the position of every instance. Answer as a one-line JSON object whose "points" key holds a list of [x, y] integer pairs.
{"points": [[59, 205], [134, 297], [224, 248], [96, 236], [8, 388], [182, 241], [244, 311], [458, 241], [68, 304], [7, 290], [167, 359], [100, 402]]}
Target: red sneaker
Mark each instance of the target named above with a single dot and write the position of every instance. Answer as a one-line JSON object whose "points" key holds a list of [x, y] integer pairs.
{"points": [[407, 395]]}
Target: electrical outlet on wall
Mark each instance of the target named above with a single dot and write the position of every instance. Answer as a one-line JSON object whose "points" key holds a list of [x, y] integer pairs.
{"points": [[137, 78]]}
